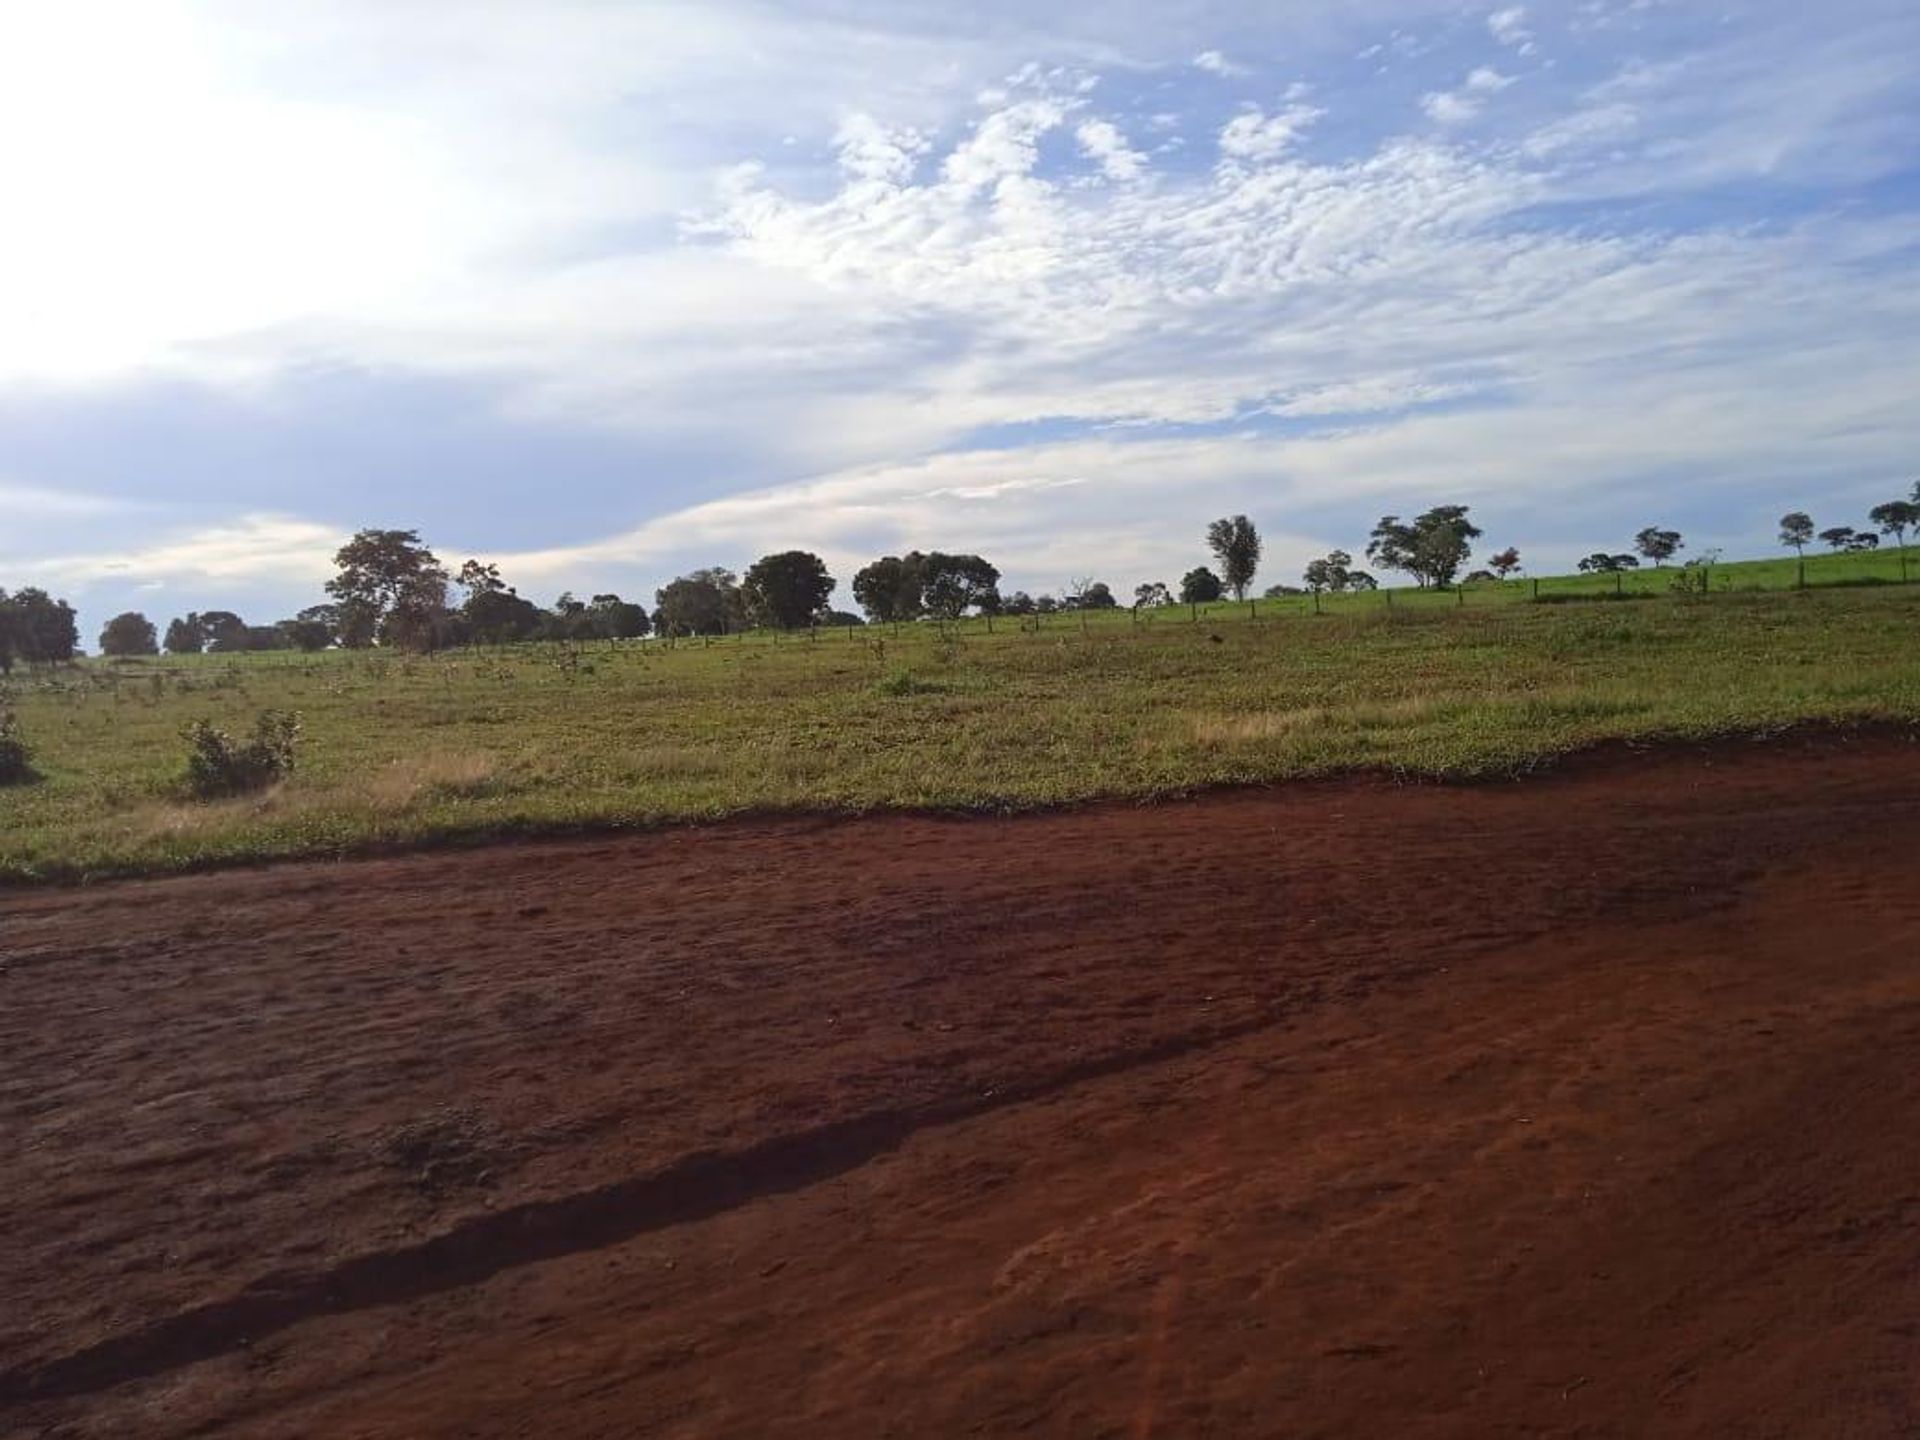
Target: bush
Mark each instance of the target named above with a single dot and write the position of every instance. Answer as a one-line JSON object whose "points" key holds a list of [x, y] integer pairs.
{"points": [[218, 764], [16, 760]]}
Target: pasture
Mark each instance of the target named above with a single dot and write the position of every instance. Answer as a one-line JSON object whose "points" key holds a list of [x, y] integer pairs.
{"points": [[401, 749]]}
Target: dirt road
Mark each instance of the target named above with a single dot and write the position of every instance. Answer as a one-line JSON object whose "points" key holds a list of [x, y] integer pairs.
{"points": [[1583, 1106]]}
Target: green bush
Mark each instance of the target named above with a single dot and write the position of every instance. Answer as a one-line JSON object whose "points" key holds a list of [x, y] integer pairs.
{"points": [[16, 760], [218, 764]]}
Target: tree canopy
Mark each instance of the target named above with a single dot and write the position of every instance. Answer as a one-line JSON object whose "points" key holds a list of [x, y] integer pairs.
{"points": [[706, 602], [1796, 530], [1236, 546], [1200, 586], [390, 587], [129, 633], [786, 590], [1658, 545], [1431, 549], [36, 628]]}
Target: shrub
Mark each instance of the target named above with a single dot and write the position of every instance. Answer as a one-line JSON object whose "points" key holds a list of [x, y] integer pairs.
{"points": [[218, 764], [16, 760]]}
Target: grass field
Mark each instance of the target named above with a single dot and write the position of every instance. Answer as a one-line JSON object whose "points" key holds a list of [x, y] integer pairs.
{"points": [[402, 749]]}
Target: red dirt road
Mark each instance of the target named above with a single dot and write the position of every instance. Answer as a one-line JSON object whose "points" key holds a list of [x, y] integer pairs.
{"points": [[1586, 1106]]}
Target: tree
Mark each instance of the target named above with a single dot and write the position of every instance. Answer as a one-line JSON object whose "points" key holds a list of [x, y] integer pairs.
{"points": [[1895, 518], [304, 634], [1796, 531], [37, 628], [1601, 563], [617, 619], [1505, 563], [391, 588], [1200, 587], [1431, 549], [892, 587], [953, 584], [707, 602], [186, 635], [1236, 545], [226, 632], [1864, 540], [1658, 545], [129, 633], [1018, 603], [1087, 593], [1333, 572], [478, 579], [786, 590], [1839, 537], [1151, 596]]}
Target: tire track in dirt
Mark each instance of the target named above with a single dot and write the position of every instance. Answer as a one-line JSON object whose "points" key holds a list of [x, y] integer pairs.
{"points": [[697, 1188]]}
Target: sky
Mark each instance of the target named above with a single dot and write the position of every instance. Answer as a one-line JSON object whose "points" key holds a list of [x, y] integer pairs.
{"points": [[604, 292]]}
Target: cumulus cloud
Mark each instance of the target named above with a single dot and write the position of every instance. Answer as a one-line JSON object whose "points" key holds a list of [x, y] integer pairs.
{"points": [[1256, 137], [1102, 142]]}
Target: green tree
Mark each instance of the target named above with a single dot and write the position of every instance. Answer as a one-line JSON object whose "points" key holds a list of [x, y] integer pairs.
{"points": [[1236, 546], [186, 635], [1200, 586], [1658, 545], [226, 632], [1431, 549], [892, 588], [706, 602], [786, 590], [1796, 531], [309, 636], [1601, 563], [1334, 572], [1151, 596], [1505, 563], [617, 619], [390, 588], [1838, 537], [951, 585], [1896, 518], [129, 633], [39, 629]]}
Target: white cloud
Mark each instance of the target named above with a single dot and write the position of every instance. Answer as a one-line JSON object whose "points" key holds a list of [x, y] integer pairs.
{"points": [[1216, 63], [1102, 142], [253, 549], [1256, 137], [1449, 107], [1509, 27]]}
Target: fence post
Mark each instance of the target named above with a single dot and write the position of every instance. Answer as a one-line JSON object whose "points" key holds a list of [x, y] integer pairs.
{"points": [[1316, 602], [1253, 609], [1389, 595], [1461, 591], [1536, 587], [1619, 582]]}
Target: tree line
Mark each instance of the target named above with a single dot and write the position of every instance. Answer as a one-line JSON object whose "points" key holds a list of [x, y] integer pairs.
{"points": [[389, 588]]}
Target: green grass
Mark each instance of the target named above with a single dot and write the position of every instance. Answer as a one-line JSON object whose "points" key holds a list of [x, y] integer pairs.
{"points": [[404, 749]]}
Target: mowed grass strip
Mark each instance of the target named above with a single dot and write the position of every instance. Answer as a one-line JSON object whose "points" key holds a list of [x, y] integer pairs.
{"points": [[402, 749]]}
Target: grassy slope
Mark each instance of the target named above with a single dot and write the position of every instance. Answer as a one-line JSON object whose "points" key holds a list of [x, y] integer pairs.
{"points": [[401, 749]]}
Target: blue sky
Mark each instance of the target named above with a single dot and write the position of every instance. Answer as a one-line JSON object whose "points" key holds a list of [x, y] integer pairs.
{"points": [[605, 292]]}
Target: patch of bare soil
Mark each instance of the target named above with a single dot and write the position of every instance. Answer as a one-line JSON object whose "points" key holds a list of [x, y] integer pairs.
{"points": [[1585, 1106]]}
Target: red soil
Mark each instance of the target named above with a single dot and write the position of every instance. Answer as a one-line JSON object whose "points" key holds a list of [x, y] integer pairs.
{"points": [[1585, 1106]]}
